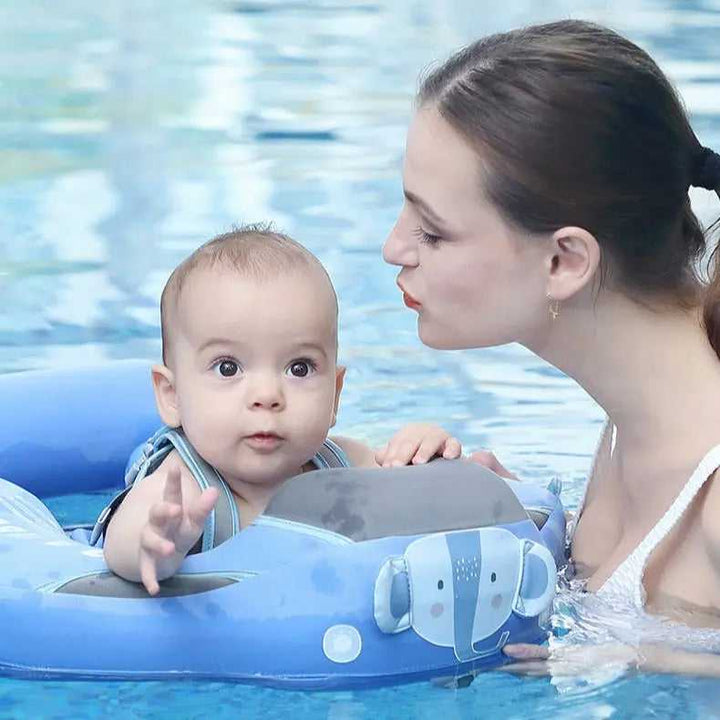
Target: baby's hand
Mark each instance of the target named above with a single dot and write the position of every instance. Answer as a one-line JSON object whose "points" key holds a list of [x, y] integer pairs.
{"points": [[417, 443], [171, 530]]}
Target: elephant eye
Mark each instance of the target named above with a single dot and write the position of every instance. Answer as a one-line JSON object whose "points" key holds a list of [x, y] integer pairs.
{"points": [[493, 577], [441, 584]]}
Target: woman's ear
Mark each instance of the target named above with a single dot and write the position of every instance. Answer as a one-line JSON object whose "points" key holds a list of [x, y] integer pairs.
{"points": [[339, 381], [573, 261], [163, 382]]}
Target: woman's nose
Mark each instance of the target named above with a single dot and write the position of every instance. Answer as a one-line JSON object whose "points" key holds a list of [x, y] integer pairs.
{"points": [[400, 247]]}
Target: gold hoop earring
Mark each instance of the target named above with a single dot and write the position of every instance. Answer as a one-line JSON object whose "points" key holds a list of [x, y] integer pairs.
{"points": [[554, 307]]}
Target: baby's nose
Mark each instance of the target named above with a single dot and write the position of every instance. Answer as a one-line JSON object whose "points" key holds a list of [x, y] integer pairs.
{"points": [[266, 393], [266, 403]]}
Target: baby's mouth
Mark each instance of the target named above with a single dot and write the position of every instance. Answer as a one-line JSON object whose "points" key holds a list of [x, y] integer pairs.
{"points": [[263, 440]]}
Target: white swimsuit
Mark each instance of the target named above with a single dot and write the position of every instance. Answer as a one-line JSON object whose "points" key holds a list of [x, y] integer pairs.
{"points": [[616, 612], [625, 583]]}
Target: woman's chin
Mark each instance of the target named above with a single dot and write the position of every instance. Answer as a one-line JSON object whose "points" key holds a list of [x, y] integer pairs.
{"points": [[443, 338], [439, 340]]}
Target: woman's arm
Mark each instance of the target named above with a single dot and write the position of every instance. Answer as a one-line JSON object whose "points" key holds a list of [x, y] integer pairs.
{"points": [[665, 659], [577, 660]]}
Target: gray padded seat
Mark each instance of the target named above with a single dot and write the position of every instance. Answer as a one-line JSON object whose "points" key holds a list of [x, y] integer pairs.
{"points": [[364, 504]]}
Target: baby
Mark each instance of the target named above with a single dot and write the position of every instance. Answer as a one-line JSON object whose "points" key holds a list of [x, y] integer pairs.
{"points": [[250, 375]]}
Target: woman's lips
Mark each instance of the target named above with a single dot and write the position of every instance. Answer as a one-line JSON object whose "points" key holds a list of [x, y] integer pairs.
{"points": [[411, 302], [408, 299]]}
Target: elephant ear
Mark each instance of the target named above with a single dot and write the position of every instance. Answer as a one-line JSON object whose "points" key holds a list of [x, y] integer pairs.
{"points": [[539, 576], [392, 596]]}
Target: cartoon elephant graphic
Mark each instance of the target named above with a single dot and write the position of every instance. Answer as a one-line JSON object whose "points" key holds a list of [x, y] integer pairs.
{"points": [[456, 589]]}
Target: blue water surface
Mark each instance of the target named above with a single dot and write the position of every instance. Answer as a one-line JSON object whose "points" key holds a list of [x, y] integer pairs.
{"points": [[134, 130]]}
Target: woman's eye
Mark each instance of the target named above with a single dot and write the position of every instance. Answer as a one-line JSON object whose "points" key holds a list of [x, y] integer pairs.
{"points": [[427, 237], [228, 368], [301, 368]]}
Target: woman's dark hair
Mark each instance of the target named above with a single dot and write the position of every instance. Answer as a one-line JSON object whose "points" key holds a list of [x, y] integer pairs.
{"points": [[576, 125]]}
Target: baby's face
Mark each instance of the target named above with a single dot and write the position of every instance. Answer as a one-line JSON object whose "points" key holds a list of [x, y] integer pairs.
{"points": [[255, 369]]}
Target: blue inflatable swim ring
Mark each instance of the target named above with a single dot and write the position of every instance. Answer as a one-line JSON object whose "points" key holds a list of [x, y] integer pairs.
{"points": [[353, 578]]}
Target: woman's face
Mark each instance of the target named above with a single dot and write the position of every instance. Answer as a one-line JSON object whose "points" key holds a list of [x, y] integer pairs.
{"points": [[474, 280]]}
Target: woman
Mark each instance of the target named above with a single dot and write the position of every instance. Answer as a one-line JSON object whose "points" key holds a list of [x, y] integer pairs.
{"points": [[546, 202]]}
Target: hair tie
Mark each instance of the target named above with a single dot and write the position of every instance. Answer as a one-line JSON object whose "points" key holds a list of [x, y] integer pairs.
{"points": [[706, 170]]}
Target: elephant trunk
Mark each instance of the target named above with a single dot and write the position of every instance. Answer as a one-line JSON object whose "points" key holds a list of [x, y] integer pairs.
{"points": [[465, 557]]}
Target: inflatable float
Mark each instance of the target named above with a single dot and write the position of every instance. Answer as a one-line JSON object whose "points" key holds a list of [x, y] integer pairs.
{"points": [[353, 577]]}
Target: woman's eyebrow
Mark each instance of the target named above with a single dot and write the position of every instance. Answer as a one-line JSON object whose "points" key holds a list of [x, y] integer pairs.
{"points": [[415, 200]]}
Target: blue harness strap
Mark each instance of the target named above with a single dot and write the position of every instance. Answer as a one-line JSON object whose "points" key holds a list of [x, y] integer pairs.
{"points": [[330, 455], [223, 521]]}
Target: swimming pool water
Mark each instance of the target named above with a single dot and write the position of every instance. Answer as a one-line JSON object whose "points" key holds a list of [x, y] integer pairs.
{"points": [[133, 130]]}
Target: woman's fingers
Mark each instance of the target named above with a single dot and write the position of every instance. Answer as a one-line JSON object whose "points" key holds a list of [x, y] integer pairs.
{"points": [[532, 659], [569, 660], [526, 651], [488, 459], [534, 668]]}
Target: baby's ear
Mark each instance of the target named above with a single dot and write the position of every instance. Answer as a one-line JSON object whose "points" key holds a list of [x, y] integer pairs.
{"points": [[165, 395], [339, 380]]}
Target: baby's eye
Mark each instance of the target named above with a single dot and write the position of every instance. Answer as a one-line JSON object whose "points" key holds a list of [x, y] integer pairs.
{"points": [[227, 368], [301, 368]]}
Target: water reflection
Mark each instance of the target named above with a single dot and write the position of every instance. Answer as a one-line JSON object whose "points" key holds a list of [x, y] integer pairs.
{"points": [[130, 149], [134, 134]]}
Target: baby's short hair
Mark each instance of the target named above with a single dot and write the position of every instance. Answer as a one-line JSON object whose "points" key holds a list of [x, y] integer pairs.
{"points": [[255, 251]]}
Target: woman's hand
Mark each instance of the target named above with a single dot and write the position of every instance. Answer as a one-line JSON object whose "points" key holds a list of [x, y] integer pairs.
{"points": [[574, 660], [488, 459], [417, 443], [570, 660]]}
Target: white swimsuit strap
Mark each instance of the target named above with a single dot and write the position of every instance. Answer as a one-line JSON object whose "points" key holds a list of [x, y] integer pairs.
{"points": [[627, 577]]}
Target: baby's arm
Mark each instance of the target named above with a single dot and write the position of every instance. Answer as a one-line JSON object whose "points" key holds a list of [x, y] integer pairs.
{"points": [[417, 443], [359, 454], [414, 444], [157, 524]]}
